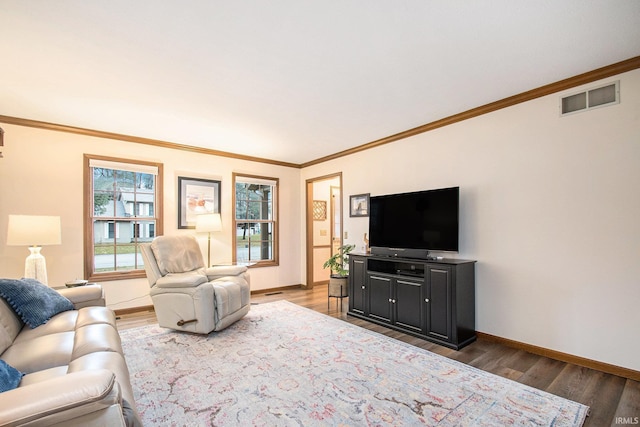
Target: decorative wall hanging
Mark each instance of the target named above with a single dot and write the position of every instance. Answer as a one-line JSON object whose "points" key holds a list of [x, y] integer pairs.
{"points": [[196, 196], [319, 210], [359, 205]]}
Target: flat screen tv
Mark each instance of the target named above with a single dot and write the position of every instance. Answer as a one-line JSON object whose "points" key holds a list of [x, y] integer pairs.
{"points": [[412, 224]]}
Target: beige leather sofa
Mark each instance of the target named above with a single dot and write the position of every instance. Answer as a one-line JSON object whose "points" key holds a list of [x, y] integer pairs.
{"points": [[76, 374]]}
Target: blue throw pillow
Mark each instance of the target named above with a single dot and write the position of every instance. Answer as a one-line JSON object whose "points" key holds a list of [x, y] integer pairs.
{"points": [[10, 377], [34, 302]]}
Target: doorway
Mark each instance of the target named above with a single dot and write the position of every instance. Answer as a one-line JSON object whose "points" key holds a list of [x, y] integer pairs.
{"points": [[324, 225]]}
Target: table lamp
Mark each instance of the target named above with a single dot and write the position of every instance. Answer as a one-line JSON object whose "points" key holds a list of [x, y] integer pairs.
{"points": [[34, 231], [206, 223]]}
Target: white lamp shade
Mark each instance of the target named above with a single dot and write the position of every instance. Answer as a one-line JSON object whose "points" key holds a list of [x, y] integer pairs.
{"points": [[208, 222], [34, 230]]}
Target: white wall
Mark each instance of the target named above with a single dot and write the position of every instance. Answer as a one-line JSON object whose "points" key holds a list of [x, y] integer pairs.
{"points": [[41, 173], [550, 209]]}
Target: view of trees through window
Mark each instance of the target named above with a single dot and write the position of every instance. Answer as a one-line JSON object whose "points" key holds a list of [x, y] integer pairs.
{"points": [[123, 215], [255, 220]]}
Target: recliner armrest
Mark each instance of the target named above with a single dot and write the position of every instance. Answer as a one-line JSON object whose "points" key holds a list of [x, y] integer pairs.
{"points": [[190, 279], [62, 399], [225, 270]]}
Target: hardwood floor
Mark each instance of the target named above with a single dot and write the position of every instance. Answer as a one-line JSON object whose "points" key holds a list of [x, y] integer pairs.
{"points": [[613, 400]]}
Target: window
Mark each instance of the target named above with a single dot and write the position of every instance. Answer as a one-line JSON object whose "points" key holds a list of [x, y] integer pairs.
{"points": [[255, 220], [123, 207]]}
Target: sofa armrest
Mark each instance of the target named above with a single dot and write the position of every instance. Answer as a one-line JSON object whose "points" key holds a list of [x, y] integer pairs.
{"points": [[62, 399], [84, 296], [218, 271]]}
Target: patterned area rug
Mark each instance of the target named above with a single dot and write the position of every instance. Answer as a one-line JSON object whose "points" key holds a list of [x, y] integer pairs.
{"points": [[285, 365]]}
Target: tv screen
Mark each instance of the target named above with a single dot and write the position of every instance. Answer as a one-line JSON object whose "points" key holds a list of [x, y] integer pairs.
{"points": [[419, 220]]}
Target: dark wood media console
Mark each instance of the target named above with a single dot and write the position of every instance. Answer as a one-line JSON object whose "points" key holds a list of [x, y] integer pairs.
{"points": [[431, 299]]}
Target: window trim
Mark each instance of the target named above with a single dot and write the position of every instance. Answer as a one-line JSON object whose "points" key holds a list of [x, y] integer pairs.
{"points": [[88, 236], [276, 214]]}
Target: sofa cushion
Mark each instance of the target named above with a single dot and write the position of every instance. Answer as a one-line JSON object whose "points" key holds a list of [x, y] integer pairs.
{"points": [[44, 375], [177, 254], [40, 353], [9, 376], [63, 322], [10, 325], [95, 338], [66, 336], [34, 302], [95, 316]]}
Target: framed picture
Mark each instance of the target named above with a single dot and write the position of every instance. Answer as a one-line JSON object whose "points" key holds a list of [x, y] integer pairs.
{"points": [[196, 196], [359, 205]]}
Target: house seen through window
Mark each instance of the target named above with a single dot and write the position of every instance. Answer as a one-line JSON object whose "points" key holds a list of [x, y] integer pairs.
{"points": [[123, 206]]}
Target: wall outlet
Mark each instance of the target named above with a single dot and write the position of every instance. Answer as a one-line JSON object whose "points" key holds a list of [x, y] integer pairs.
{"points": [[346, 234]]}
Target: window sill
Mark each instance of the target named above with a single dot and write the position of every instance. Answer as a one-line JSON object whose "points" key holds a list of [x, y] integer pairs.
{"points": [[125, 275], [258, 264]]}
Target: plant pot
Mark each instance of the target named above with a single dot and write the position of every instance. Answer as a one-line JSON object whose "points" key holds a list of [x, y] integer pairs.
{"points": [[338, 286]]}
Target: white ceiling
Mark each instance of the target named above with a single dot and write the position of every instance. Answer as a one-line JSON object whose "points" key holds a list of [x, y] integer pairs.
{"points": [[292, 80]]}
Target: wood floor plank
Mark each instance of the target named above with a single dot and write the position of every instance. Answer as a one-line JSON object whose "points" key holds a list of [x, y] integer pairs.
{"points": [[603, 396], [608, 396], [542, 373], [472, 352], [521, 361], [628, 410], [572, 381], [494, 361]]}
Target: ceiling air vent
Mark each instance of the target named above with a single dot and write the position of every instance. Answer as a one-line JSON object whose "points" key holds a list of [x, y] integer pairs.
{"points": [[601, 96]]}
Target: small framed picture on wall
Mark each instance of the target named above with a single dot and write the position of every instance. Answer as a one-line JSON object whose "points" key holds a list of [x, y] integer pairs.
{"points": [[359, 205], [196, 196]]}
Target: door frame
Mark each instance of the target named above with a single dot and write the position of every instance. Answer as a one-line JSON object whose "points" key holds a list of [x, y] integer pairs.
{"points": [[309, 220]]}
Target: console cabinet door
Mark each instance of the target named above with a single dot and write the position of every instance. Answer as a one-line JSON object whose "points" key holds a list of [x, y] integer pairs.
{"points": [[380, 298], [438, 302], [408, 304], [358, 285]]}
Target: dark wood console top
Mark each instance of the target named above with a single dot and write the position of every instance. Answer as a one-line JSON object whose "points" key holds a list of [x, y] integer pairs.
{"points": [[451, 261]]}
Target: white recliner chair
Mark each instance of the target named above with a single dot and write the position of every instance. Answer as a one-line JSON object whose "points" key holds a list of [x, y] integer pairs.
{"points": [[186, 295]]}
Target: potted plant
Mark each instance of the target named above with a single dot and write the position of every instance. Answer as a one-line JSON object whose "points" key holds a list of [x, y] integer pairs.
{"points": [[339, 274]]}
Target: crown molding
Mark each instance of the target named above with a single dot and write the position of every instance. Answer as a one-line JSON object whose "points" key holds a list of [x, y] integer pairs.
{"points": [[136, 139], [571, 82]]}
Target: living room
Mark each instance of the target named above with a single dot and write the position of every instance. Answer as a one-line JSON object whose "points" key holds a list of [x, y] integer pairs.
{"points": [[528, 207], [548, 208]]}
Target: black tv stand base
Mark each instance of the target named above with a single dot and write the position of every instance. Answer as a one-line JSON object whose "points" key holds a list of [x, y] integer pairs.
{"points": [[430, 299], [443, 343]]}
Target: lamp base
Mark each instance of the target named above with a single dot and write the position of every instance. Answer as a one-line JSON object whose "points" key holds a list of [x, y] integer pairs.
{"points": [[35, 266]]}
